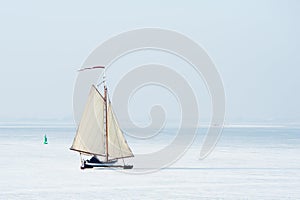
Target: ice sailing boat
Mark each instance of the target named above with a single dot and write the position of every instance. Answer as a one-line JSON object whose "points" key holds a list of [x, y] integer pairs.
{"points": [[99, 135]]}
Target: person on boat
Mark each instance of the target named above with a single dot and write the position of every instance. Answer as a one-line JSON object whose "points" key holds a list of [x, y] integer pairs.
{"points": [[94, 159]]}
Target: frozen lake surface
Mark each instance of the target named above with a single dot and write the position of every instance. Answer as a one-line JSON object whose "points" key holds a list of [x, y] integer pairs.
{"points": [[248, 163]]}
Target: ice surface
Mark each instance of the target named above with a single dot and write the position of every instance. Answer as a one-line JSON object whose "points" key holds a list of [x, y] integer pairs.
{"points": [[248, 163]]}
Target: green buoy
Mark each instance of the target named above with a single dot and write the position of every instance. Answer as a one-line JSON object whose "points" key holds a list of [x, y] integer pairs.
{"points": [[45, 139]]}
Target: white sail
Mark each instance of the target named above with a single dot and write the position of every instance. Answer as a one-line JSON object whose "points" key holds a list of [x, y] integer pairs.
{"points": [[117, 144], [90, 136]]}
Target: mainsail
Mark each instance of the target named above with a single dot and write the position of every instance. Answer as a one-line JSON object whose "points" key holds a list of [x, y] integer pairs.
{"points": [[91, 133], [90, 136]]}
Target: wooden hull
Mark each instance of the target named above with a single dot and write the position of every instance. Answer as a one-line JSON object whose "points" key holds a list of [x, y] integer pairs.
{"points": [[105, 165]]}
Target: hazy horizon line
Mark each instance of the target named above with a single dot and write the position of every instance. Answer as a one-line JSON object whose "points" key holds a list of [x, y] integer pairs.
{"points": [[27, 124]]}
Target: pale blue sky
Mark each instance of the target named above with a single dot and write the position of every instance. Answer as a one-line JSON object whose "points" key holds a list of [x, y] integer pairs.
{"points": [[254, 44]]}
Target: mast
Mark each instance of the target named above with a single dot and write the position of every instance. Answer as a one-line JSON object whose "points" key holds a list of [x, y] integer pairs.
{"points": [[106, 124]]}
